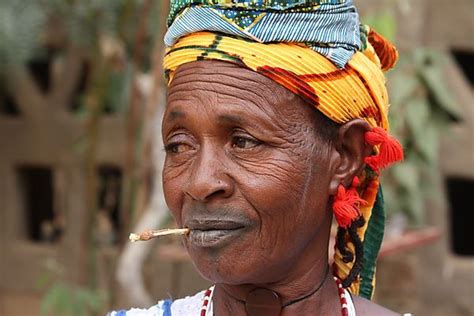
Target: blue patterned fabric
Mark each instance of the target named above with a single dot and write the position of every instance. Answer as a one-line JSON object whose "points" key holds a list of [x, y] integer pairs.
{"points": [[176, 6], [331, 28], [166, 308]]}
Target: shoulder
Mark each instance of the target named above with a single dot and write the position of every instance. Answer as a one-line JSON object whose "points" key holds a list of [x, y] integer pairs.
{"points": [[365, 307], [186, 306]]}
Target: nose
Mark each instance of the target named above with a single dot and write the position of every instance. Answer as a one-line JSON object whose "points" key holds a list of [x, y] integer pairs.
{"points": [[208, 178]]}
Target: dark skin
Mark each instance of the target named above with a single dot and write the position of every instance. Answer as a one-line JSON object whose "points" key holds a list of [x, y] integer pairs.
{"points": [[244, 151]]}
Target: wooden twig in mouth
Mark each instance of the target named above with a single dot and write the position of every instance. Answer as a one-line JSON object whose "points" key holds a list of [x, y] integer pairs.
{"points": [[150, 234]]}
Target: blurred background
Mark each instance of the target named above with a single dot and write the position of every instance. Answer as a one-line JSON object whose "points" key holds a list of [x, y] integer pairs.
{"points": [[81, 95]]}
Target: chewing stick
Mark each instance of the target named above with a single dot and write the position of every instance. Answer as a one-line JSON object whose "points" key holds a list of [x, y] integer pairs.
{"points": [[149, 234]]}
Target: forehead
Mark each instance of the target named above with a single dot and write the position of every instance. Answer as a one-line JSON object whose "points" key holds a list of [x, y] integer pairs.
{"points": [[222, 83], [225, 78]]}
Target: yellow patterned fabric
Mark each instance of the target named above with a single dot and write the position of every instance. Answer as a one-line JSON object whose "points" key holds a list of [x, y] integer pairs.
{"points": [[341, 268], [356, 91]]}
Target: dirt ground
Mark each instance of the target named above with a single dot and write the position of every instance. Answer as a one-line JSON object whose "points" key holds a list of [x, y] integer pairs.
{"points": [[19, 304]]}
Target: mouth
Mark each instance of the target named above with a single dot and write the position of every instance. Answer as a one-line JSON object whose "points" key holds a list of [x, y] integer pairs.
{"points": [[214, 233]]}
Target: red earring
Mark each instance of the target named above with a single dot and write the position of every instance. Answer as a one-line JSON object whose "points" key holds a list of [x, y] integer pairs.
{"points": [[390, 150], [346, 204]]}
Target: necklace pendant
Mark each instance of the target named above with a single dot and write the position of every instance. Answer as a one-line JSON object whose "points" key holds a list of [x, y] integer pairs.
{"points": [[263, 302]]}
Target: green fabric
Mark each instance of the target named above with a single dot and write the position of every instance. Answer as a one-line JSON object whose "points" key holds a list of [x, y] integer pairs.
{"points": [[176, 6], [372, 243]]}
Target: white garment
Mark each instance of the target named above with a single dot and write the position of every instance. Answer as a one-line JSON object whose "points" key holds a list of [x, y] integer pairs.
{"points": [[191, 306], [188, 306], [350, 303]]}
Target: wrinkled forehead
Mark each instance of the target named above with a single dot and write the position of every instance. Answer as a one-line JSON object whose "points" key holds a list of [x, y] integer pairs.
{"points": [[226, 78]]}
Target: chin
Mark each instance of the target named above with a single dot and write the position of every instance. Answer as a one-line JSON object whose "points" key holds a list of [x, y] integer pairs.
{"points": [[223, 256], [235, 266], [220, 265]]}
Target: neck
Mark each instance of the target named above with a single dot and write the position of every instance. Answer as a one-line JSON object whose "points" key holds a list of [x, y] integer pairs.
{"points": [[299, 287], [322, 299]]}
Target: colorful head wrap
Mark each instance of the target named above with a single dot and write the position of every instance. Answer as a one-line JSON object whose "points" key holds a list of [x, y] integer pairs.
{"points": [[330, 27], [317, 50]]}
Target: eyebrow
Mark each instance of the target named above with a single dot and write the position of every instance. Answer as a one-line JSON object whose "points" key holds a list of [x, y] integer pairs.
{"points": [[231, 119], [239, 120], [228, 118], [175, 114]]}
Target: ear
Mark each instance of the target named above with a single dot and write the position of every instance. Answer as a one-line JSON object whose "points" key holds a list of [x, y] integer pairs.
{"points": [[349, 151]]}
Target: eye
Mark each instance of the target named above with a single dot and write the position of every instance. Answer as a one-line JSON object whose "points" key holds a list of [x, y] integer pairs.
{"points": [[177, 148], [244, 142]]}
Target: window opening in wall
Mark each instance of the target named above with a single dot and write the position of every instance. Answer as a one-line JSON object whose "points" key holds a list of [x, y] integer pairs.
{"points": [[40, 70], [465, 59], [460, 200], [7, 104], [109, 195], [43, 225], [112, 89]]}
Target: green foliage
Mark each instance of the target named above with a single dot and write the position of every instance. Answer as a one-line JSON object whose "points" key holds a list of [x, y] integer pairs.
{"points": [[21, 24], [66, 299], [105, 29], [383, 23], [117, 90], [86, 20], [63, 298], [422, 108]]}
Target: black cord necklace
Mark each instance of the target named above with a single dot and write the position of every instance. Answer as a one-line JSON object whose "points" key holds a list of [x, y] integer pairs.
{"points": [[296, 300], [265, 302]]}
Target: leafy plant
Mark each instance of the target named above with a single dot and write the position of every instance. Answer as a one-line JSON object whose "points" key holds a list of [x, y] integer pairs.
{"points": [[63, 298], [421, 108], [67, 299], [20, 31]]}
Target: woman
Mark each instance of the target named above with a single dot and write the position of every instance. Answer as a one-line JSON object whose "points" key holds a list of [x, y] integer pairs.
{"points": [[276, 119]]}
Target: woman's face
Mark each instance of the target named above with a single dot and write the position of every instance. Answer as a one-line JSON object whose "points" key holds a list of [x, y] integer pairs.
{"points": [[246, 172]]}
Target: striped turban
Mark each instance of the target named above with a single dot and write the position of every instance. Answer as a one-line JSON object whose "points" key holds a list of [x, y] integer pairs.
{"points": [[317, 50]]}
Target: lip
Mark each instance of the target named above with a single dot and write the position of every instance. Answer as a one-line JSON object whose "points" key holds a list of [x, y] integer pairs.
{"points": [[215, 232]]}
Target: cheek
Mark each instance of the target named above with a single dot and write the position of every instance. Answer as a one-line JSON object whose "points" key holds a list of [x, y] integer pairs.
{"points": [[173, 182], [292, 179], [288, 198]]}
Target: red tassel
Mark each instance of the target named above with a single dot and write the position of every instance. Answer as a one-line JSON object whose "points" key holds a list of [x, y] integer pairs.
{"points": [[373, 163], [346, 204], [385, 50], [355, 183], [390, 150]]}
